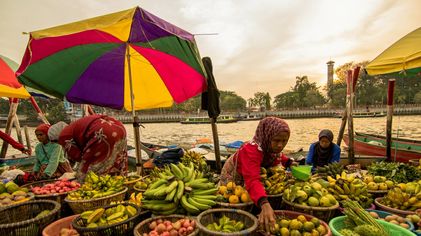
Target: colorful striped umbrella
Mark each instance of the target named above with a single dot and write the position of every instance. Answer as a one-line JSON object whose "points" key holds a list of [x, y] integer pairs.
{"points": [[9, 85], [106, 59]]}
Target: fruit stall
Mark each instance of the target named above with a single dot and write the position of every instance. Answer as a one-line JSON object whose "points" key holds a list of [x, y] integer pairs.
{"points": [[185, 198]]}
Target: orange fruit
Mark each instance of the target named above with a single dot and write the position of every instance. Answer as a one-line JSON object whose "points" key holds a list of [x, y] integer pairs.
{"points": [[222, 189], [245, 197], [231, 186], [238, 191], [233, 199]]}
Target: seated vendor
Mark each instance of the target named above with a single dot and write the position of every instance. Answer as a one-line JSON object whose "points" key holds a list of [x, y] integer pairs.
{"points": [[323, 151]]}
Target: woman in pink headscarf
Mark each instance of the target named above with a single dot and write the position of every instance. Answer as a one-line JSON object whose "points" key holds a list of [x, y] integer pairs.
{"points": [[264, 150]]}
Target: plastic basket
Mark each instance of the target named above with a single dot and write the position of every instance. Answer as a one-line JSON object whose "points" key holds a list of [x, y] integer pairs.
{"points": [[54, 228], [248, 206], [323, 213], [294, 214], [212, 215], [383, 214], [143, 227], [79, 206], [121, 228], [337, 223], [395, 211], [301, 172], [275, 201], [21, 219]]}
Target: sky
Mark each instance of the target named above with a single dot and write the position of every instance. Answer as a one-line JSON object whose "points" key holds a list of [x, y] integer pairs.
{"points": [[255, 45]]}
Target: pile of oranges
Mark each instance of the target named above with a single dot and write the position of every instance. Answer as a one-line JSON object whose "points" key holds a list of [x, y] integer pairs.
{"points": [[233, 193]]}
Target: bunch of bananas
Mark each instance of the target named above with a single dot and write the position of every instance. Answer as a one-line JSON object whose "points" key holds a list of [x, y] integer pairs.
{"points": [[274, 179], [179, 188], [97, 186], [101, 217], [136, 198], [197, 159], [332, 169], [404, 197], [347, 186]]}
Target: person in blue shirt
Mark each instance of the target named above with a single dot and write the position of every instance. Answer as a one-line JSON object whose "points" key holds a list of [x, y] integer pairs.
{"points": [[323, 151]]}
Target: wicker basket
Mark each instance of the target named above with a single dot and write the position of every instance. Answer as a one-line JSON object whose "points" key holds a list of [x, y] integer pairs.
{"points": [[377, 193], [79, 206], [294, 214], [21, 220], [248, 206], [130, 184], [212, 215], [323, 213], [121, 228], [54, 228], [275, 201], [143, 227], [390, 209], [31, 197]]}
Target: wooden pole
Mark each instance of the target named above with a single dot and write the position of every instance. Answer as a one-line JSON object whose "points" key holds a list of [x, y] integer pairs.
{"points": [[216, 144], [390, 90], [9, 123], [28, 140], [349, 98], [18, 129]]}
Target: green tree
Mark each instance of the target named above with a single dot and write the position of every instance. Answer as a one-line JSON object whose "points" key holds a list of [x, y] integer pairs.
{"points": [[230, 101], [262, 100], [286, 100]]}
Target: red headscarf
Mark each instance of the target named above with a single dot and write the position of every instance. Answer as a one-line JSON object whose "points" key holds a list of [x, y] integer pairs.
{"points": [[43, 128], [267, 129]]}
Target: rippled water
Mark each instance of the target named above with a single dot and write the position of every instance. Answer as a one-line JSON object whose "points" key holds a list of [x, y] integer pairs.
{"points": [[303, 131]]}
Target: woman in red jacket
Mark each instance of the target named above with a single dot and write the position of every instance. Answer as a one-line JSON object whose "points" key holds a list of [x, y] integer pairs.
{"points": [[264, 150]]}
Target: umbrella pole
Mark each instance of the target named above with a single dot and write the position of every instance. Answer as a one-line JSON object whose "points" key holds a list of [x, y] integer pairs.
{"points": [[216, 144], [136, 121], [9, 123], [349, 96], [390, 90]]}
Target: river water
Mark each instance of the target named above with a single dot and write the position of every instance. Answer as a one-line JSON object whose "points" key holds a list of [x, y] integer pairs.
{"points": [[303, 131]]}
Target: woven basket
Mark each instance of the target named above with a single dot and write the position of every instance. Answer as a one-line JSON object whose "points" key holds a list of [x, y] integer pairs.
{"points": [[54, 228], [294, 214], [143, 227], [21, 220], [377, 193], [390, 209], [323, 213], [130, 184], [30, 198], [213, 215], [79, 206], [275, 201], [121, 228], [248, 206]]}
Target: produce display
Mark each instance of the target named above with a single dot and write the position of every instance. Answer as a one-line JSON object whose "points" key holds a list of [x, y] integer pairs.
{"points": [[97, 186], [416, 220], [233, 194], [59, 186], [310, 194], [348, 187], [274, 179], [199, 163], [360, 222], [109, 216], [298, 226], [404, 197], [167, 228], [142, 184], [180, 189], [136, 198], [375, 183], [11, 193], [226, 225], [331, 169], [394, 219], [395, 171]]}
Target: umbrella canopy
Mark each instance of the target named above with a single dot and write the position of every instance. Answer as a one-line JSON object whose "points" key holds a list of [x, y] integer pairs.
{"points": [[9, 85], [100, 60], [401, 59]]}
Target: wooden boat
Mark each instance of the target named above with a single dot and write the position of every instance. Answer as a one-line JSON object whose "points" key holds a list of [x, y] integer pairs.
{"points": [[206, 120], [369, 144], [363, 114]]}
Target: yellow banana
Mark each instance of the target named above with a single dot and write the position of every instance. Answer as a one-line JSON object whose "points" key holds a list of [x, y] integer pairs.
{"points": [[346, 189]]}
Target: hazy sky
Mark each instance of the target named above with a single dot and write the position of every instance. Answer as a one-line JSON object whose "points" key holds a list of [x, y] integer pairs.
{"points": [[261, 45]]}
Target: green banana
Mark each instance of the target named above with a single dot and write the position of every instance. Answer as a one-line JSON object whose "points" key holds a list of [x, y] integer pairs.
{"points": [[176, 171], [187, 206], [205, 186], [169, 212], [180, 191], [201, 180], [158, 183], [183, 169], [171, 195], [205, 192], [171, 187], [162, 191], [198, 205], [207, 197], [189, 174], [204, 201]]}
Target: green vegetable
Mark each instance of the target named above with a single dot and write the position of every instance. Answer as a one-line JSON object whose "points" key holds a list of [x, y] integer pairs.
{"points": [[396, 171]]}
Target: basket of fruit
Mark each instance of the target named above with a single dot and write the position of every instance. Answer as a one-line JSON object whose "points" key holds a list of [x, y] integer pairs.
{"points": [[55, 190], [117, 219], [62, 227], [79, 206], [323, 213], [226, 222], [171, 224], [130, 182], [391, 218], [338, 227], [381, 205], [142, 185], [28, 218], [234, 196], [11, 194], [275, 180], [297, 223]]}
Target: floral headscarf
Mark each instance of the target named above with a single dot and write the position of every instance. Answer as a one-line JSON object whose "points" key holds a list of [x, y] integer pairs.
{"points": [[266, 130], [43, 128]]}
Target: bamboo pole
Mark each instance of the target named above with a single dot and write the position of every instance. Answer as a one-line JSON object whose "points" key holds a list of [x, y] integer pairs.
{"points": [[12, 111], [18, 129], [390, 90], [28, 140], [216, 144], [349, 96]]}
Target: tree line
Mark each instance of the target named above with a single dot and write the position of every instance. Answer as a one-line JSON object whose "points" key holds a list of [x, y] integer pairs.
{"points": [[304, 94]]}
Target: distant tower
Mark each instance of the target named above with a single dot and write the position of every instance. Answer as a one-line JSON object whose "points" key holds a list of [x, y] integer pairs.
{"points": [[330, 73]]}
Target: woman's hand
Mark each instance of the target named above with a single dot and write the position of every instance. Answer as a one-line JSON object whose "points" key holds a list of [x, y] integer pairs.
{"points": [[267, 217]]}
